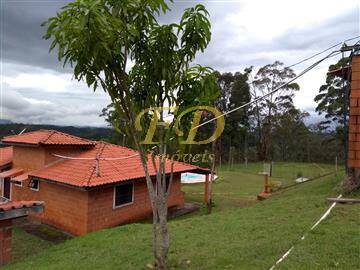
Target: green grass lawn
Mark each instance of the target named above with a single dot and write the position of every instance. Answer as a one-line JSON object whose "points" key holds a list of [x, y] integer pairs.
{"points": [[238, 186], [25, 244], [239, 234]]}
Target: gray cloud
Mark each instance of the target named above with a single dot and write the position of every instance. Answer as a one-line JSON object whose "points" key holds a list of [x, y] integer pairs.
{"points": [[233, 48], [22, 106], [22, 42], [22, 33], [291, 46]]}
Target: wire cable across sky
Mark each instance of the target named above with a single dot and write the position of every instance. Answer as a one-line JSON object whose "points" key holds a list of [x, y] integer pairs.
{"points": [[333, 53], [270, 93]]}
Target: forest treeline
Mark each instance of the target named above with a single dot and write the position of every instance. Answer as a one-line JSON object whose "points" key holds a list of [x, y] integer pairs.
{"points": [[272, 129]]}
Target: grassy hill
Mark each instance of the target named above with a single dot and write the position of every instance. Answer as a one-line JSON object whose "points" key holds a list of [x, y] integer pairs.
{"points": [[240, 233]]}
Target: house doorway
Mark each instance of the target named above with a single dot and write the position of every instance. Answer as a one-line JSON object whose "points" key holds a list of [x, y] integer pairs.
{"points": [[6, 188]]}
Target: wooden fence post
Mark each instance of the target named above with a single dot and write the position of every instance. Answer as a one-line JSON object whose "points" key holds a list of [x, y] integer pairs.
{"points": [[206, 197]]}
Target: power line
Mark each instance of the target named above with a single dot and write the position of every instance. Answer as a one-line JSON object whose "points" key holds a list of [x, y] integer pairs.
{"points": [[244, 105], [95, 158], [270, 93], [226, 113], [302, 73], [323, 51]]}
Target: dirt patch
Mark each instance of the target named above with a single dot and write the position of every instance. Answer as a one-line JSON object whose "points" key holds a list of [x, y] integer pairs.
{"points": [[180, 211], [41, 230]]}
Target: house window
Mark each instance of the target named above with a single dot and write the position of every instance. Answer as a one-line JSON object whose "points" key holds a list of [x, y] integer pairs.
{"points": [[123, 194], [18, 183], [34, 184]]}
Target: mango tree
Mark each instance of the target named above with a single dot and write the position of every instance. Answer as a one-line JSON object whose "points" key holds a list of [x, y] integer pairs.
{"points": [[120, 47]]}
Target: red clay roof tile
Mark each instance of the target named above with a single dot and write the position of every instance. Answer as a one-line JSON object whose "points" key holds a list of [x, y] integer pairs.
{"points": [[47, 137], [20, 178], [87, 172], [18, 204]]}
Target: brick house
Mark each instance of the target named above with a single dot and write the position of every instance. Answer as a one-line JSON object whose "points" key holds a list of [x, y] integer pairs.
{"points": [[354, 119], [94, 191]]}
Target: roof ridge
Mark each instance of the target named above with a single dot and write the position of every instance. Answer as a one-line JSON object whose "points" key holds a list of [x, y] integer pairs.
{"points": [[113, 165], [77, 137], [48, 137], [119, 146], [97, 163], [15, 135], [52, 132]]}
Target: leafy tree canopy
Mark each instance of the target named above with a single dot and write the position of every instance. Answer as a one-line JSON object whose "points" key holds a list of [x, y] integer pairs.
{"points": [[332, 95]]}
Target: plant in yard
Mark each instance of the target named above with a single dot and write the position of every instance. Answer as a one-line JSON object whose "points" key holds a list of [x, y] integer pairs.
{"points": [[99, 38]]}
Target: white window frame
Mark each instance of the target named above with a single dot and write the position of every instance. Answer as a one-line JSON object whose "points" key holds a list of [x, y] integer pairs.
{"points": [[34, 189], [18, 185], [125, 204]]}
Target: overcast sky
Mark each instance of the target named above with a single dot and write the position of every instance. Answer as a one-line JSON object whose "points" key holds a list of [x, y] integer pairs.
{"points": [[36, 89]]}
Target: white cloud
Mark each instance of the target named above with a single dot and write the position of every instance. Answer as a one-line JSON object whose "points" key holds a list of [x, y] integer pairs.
{"points": [[46, 82], [269, 19], [38, 102], [21, 105]]}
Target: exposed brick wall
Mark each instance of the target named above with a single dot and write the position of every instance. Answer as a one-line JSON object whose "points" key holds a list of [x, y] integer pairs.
{"points": [[34, 158], [65, 208], [5, 241], [28, 158], [103, 215], [79, 212], [354, 120]]}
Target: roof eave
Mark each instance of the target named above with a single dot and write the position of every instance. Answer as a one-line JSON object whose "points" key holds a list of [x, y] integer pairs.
{"points": [[19, 144], [94, 186]]}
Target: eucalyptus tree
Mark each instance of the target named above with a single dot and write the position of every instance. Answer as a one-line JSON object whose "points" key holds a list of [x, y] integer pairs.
{"points": [[121, 47], [266, 111], [331, 96], [331, 101], [235, 91]]}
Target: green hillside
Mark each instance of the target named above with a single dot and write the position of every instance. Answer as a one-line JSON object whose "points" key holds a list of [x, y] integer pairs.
{"points": [[240, 233]]}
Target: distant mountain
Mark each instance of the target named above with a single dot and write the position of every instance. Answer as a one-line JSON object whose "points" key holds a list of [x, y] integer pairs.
{"points": [[5, 121]]}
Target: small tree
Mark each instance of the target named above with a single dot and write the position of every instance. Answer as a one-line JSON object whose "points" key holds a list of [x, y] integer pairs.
{"points": [[99, 37]]}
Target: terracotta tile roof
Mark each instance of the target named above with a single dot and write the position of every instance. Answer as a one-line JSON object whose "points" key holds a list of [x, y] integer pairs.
{"points": [[6, 155], [47, 137], [18, 205], [20, 178], [11, 173], [86, 173]]}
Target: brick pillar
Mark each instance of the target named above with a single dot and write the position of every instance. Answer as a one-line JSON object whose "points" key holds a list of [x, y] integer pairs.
{"points": [[5, 241], [354, 120]]}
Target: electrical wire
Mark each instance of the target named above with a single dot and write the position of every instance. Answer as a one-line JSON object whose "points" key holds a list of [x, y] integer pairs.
{"points": [[270, 93], [246, 104], [94, 158], [222, 115], [323, 51]]}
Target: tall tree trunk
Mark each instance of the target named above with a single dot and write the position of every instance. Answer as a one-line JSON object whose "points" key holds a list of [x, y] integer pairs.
{"points": [[159, 194]]}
